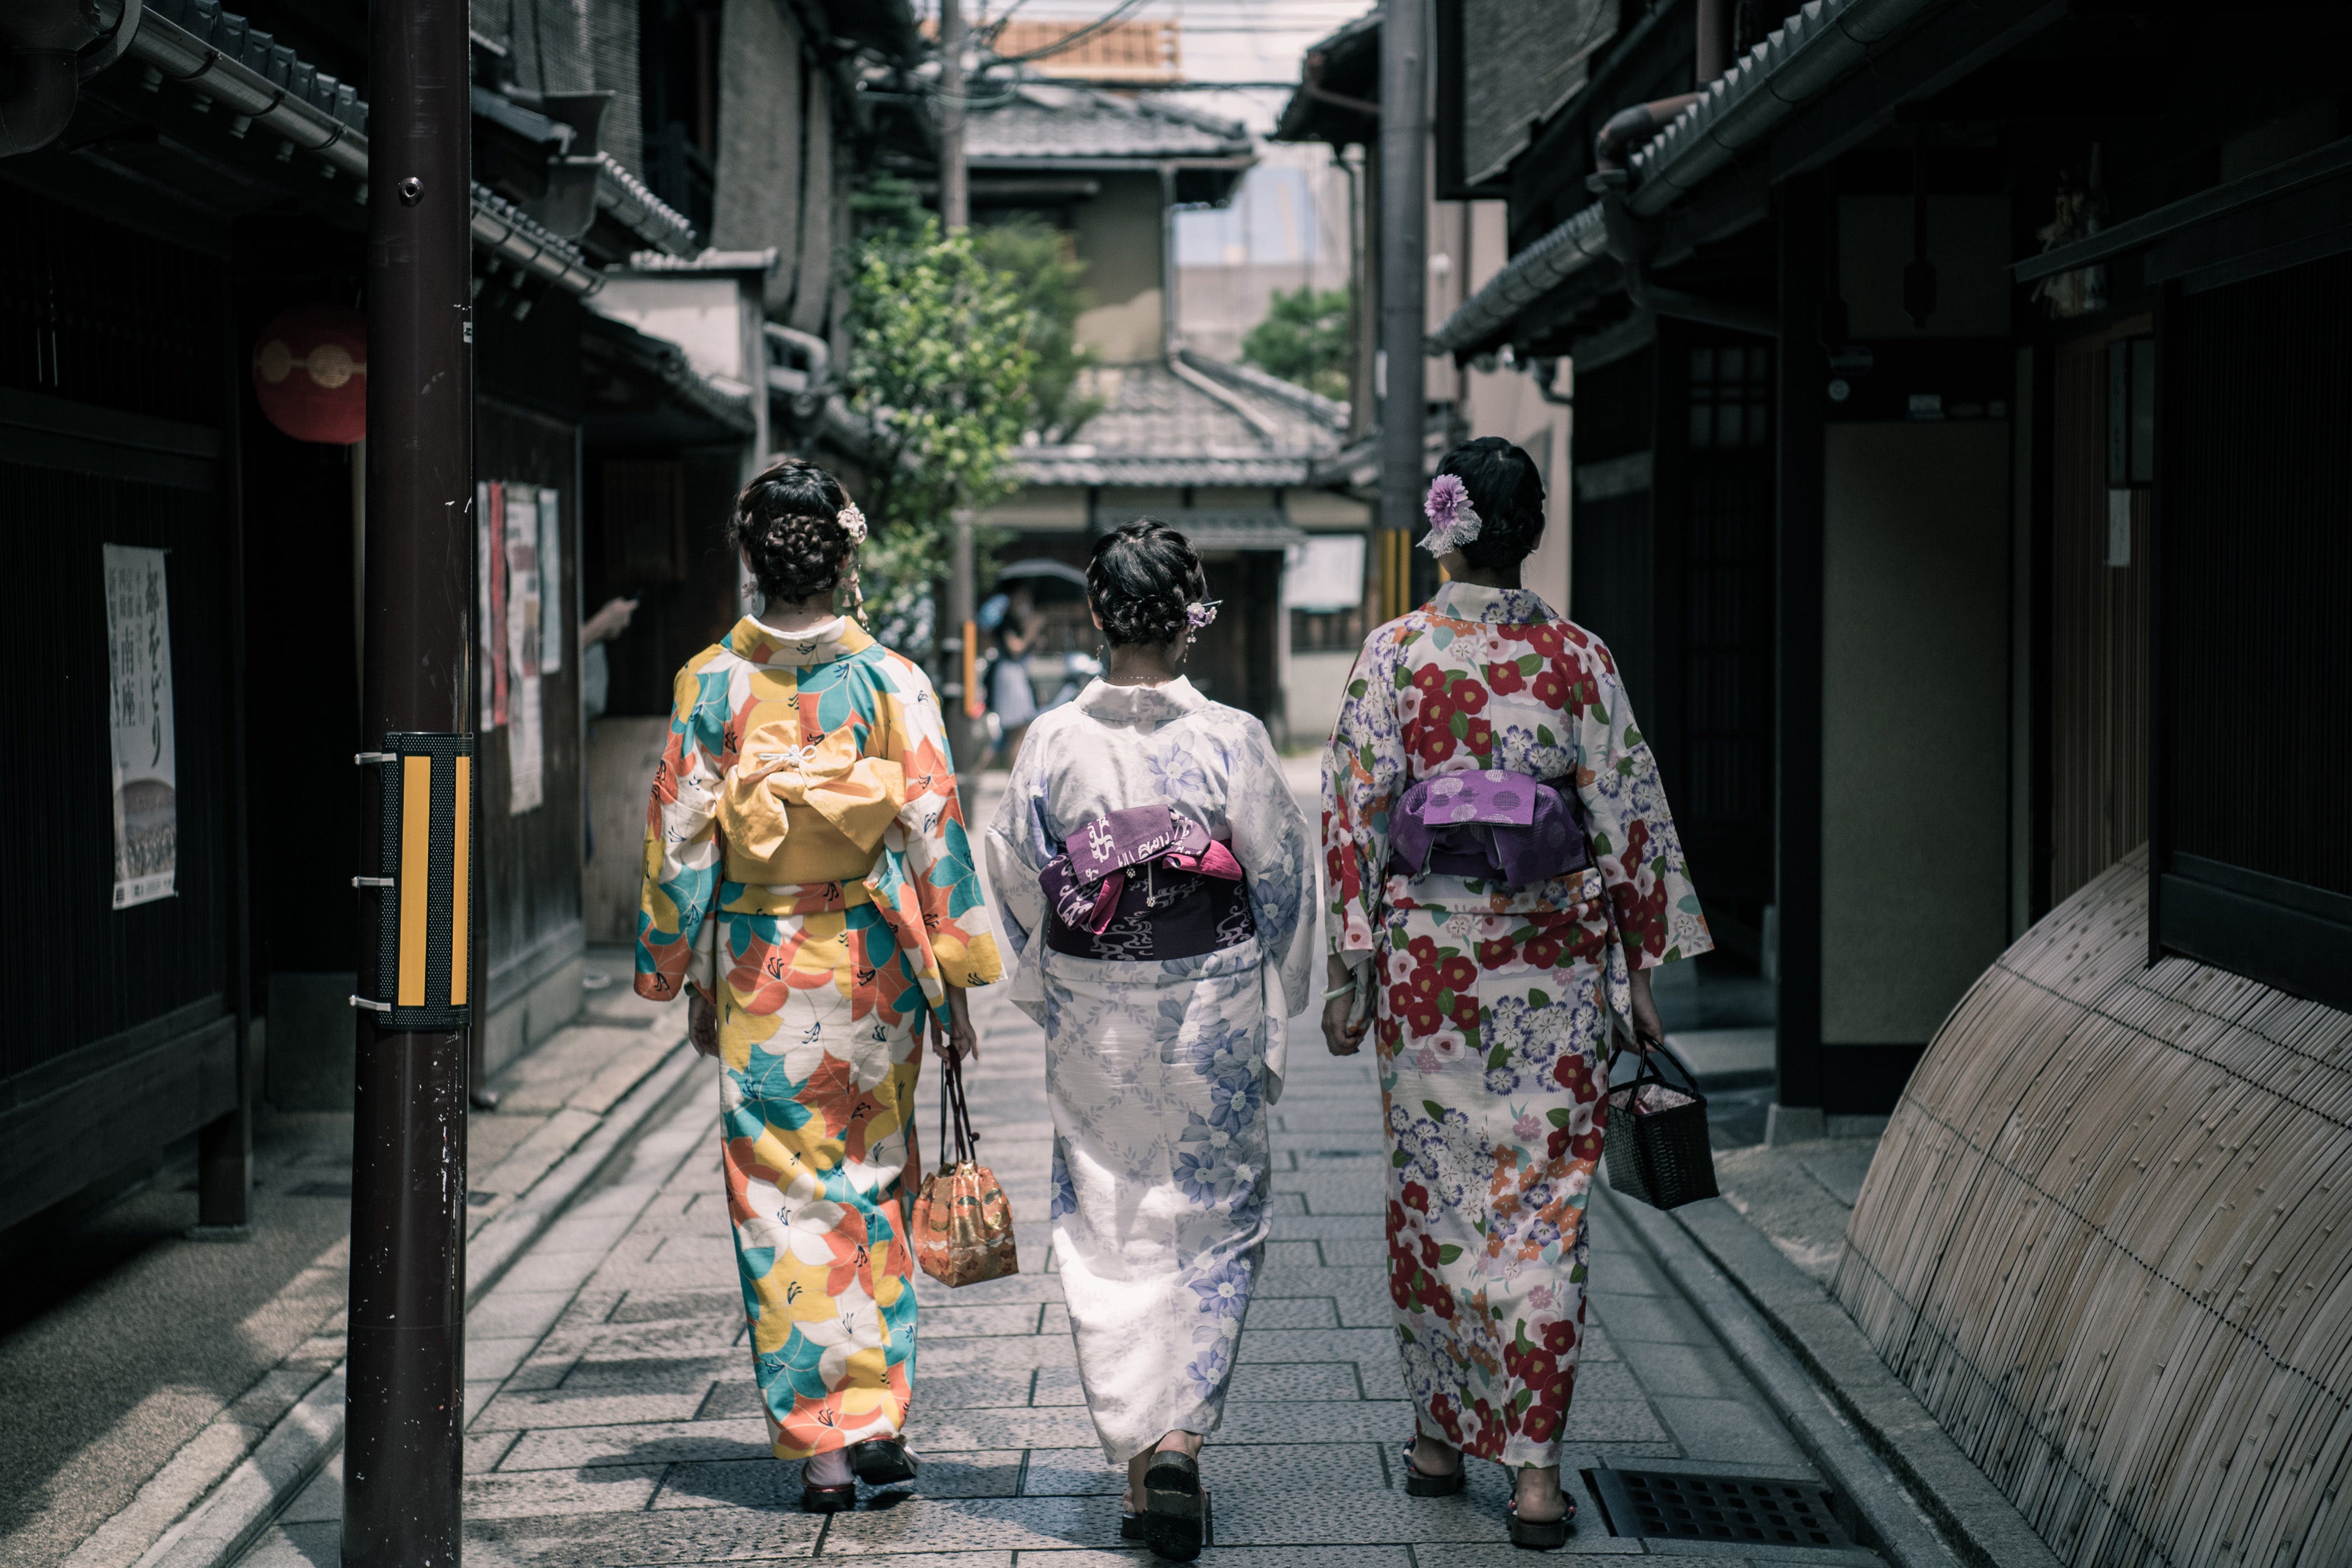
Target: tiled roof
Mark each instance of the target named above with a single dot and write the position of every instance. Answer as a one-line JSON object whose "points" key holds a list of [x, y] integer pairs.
{"points": [[223, 56], [1163, 428], [1044, 124]]}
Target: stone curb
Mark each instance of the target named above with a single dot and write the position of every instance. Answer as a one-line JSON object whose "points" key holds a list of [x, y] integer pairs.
{"points": [[240, 1507], [492, 1251], [1835, 1385], [1906, 1535]]}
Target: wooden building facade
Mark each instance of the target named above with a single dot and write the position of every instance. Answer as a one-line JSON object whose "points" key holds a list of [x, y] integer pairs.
{"points": [[207, 178]]}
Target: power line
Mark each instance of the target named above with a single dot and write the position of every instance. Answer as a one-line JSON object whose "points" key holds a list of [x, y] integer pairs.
{"points": [[1100, 23]]}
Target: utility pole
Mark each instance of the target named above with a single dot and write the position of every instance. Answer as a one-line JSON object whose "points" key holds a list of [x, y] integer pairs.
{"points": [[1404, 278], [966, 703], [404, 1455], [955, 190]]}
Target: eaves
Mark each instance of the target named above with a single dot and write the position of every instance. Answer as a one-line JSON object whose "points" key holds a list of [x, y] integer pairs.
{"points": [[1077, 162], [272, 90], [1799, 62]]}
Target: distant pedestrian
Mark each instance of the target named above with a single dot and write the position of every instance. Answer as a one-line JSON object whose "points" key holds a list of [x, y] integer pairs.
{"points": [[807, 877], [1503, 874], [1015, 621], [1156, 878]]}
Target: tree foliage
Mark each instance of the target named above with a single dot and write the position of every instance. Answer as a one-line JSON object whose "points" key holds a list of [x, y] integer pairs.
{"points": [[940, 365], [1043, 267], [1304, 340]]}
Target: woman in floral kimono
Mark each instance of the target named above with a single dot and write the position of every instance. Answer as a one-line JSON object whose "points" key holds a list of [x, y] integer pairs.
{"points": [[1157, 879], [1495, 967], [807, 877]]}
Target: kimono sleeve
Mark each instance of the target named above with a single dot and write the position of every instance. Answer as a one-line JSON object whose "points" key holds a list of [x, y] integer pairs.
{"points": [[1017, 847], [1363, 770], [938, 849], [1654, 907], [683, 853], [1270, 839]]}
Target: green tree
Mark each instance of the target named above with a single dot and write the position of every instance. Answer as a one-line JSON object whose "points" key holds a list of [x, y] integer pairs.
{"points": [[1038, 257], [1304, 340], [939, 366]]}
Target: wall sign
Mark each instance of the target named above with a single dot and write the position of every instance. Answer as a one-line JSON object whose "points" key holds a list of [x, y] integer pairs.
{"points": [[146, 764], [526, 739]]}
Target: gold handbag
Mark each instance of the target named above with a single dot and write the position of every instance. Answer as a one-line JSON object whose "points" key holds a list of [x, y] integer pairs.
{"points": [[962, 1225]]}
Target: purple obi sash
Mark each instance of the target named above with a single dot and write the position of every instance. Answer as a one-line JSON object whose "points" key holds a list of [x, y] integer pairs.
{"points": [[1144, 883], [1490, 825]]}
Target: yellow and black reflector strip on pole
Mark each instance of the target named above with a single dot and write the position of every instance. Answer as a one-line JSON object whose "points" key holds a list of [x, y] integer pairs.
{"points": [[423, 885]]}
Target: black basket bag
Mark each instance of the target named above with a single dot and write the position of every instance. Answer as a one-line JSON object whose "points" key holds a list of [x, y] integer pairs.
{"points": [[1661, 1158]]}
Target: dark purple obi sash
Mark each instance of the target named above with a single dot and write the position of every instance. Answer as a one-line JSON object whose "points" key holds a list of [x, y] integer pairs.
{"points": [[1144, 883], [1490, 825]]}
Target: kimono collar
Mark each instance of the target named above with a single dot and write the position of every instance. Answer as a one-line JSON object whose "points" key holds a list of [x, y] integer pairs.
{"points": [[1137, 705], [820, 645], [1500, 606]]}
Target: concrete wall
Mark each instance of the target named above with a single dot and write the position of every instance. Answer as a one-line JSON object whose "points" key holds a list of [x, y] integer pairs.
{"points": [[1040, 509], [1472, 237], [1915, 804], [757, 200], [1118, 238], [622, 756], [1312, 696], [308, 1045]]}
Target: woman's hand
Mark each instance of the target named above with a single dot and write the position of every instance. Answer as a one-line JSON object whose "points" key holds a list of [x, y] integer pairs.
{"points": [[1340, 1037], [958, 1041], [1648, 1029], [702, 1024]]}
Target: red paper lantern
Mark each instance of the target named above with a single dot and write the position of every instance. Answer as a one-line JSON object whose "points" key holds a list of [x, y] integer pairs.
{"points": [[309, 370]]}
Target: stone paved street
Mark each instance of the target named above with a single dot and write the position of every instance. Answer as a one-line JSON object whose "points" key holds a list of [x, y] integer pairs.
{"points": [[613, 1421]]}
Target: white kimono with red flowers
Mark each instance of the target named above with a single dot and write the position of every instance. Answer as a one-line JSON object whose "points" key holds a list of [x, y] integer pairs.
{"points": [[1492, 1004]]}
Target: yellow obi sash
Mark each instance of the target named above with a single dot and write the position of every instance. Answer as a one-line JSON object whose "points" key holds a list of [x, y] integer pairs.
{"points": [[806, 813]]}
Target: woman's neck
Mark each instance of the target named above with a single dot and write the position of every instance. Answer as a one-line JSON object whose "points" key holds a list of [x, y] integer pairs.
{"points": [[1486, 576], [792, 615], [1140, 664]]}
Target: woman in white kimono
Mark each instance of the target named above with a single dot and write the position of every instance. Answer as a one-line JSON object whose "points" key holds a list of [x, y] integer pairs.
{"points": [[1157, 880]]}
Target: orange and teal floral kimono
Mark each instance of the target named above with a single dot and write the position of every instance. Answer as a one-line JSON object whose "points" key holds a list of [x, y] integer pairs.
{"points": [[806, 870]]}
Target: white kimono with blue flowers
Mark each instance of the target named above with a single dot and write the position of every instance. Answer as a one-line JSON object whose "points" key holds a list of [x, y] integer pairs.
{"points": [[1160, 1071]]}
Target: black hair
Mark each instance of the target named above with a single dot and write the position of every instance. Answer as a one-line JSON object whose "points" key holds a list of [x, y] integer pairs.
{"points": [[1508, 493], [788, 522], [1142, 575]]}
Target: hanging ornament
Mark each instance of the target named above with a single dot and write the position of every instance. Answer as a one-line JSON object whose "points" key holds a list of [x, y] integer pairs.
{"points": [[309, 370]]}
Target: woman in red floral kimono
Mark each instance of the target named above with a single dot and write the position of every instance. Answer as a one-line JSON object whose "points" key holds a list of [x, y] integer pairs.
{"points": [[1493, 1001]]}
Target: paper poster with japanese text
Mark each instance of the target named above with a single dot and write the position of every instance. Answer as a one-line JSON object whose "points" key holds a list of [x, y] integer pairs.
{"points": [[526, 747], [551, 580], [146, 765], [488, 634]]}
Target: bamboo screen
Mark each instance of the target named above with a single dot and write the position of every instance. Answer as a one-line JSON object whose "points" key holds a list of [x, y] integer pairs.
{"points": [[2104, 1242]]}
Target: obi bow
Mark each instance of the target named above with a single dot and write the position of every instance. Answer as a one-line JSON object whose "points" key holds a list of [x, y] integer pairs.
{"points": [[1085, 882], [1488, 824], [858, 796]]}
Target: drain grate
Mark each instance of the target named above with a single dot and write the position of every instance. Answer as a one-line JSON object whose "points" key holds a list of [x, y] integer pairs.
{"points": [[1746, 1509]]}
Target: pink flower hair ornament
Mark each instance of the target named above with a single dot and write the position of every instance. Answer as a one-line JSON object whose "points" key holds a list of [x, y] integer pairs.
{"points": [[1198, 615], [853, 521], [1453, 520]]}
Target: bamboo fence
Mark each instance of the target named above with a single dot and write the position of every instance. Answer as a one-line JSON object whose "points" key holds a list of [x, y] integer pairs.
{"points": [[2104, 1242]]}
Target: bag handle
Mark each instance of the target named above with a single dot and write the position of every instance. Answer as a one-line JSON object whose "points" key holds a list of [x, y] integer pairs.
{"points": [[958, 1143], [1649, 1072]]}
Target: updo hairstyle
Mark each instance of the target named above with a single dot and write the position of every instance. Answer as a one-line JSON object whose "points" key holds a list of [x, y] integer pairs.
{"points": [[787, 522], [1142, 575], [1509, 496]]}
